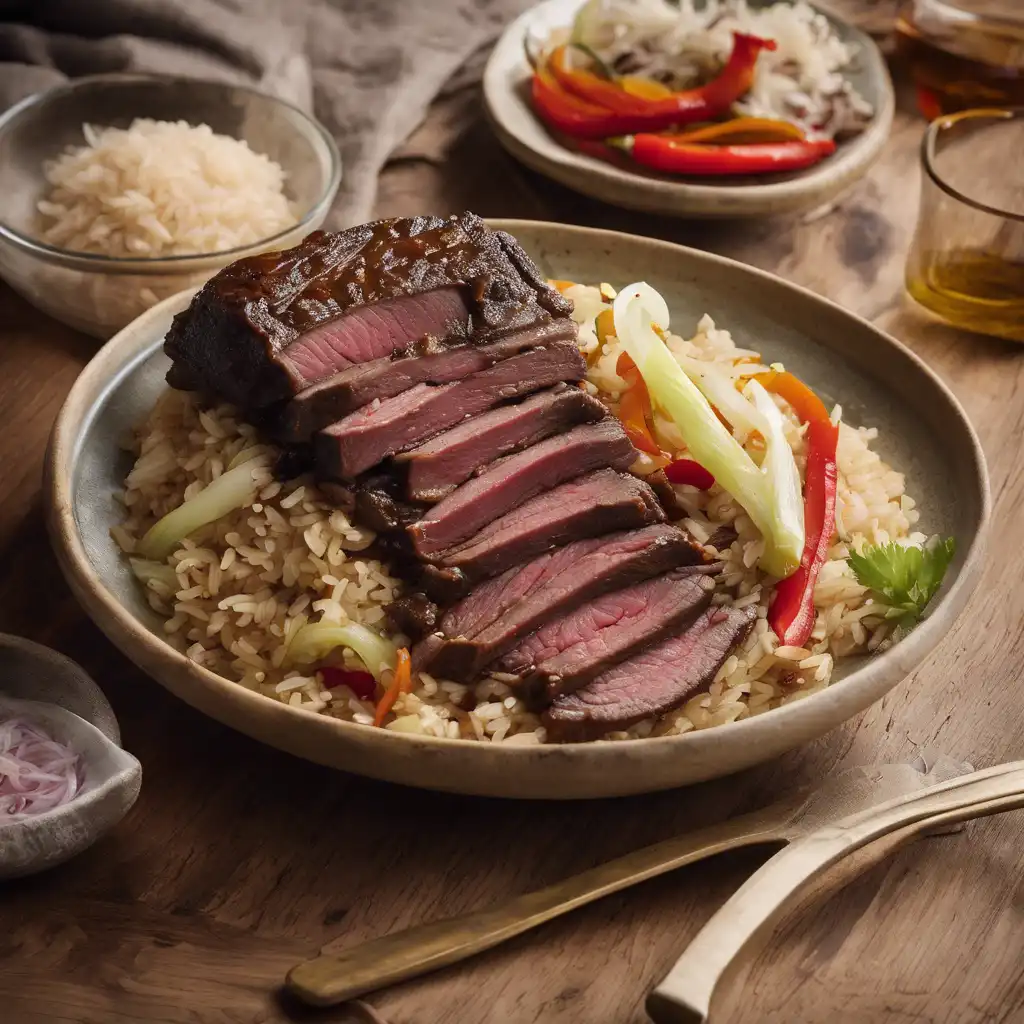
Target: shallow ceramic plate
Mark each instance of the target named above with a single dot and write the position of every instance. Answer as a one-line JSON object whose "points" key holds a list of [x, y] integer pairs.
{"points": [[506, 97], [924, 432]]}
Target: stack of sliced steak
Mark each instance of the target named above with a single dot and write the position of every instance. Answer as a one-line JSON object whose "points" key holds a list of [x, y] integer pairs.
{"points": [[430, 376]]}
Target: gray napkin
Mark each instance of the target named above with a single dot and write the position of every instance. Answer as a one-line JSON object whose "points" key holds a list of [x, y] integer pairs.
{"points": [[368, 69]]}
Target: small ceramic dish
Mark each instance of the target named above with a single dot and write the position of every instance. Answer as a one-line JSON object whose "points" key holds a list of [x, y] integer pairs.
{"points": [[923, 432], [506, 99], [100, 294], [56, 694]]}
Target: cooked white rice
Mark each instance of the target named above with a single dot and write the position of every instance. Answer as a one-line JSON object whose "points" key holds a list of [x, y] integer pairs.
{"points": [[161, 188], [246, 584]]}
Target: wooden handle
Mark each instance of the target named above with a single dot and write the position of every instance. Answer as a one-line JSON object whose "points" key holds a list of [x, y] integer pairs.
{"points": [[326, 980], [684, 997]]}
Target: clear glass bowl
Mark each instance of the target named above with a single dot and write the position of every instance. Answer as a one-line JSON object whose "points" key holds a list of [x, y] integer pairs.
{"points": [[100, 294]]}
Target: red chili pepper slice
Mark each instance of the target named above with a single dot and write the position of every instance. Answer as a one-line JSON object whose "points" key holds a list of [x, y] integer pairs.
{"points": [[663, 153], [362, 684], [791, 614], [686, 471], [652, 114]]}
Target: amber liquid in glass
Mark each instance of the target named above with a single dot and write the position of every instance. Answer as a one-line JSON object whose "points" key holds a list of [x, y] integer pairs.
{"points": [[977, 291], [961, 62]]}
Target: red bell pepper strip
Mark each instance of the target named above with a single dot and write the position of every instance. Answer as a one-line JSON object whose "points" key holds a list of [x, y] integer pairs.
{"points": [[567, 113], [704, 103], [791, 614], [362, 684], [401, 683], [663, 153], [686, 471], [635, 407]]}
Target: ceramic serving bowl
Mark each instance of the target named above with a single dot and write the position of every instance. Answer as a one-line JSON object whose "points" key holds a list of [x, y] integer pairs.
{"points": [[924, 432], [100, 294], [58, 695], [506, 99]]}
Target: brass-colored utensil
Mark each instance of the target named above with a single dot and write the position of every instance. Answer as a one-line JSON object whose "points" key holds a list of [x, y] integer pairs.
{"points": [[333, 978], [684, 997]]}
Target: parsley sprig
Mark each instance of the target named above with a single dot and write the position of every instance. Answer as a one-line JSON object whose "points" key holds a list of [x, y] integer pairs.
{"points": [[906, 578]]}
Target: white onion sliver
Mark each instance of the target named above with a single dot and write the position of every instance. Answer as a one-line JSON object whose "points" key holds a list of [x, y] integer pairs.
{"points": [[37, 773]]}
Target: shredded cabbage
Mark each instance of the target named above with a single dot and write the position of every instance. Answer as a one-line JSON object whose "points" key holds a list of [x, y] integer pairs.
{"points": [[316, 640], [160, 572], [720, 390], [781, 475], [764, 492], [231, 490]]}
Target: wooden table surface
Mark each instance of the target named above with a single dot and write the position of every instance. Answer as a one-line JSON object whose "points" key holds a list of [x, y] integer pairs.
{"points": [[238, 860]]}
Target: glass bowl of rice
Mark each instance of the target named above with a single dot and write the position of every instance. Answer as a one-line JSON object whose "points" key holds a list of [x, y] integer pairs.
{"points": [[117, 191]]}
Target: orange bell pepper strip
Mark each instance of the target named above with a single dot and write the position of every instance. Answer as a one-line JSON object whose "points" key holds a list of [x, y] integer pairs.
{"points": [[567, 113], [791, 614], [635, 408], [647, 88], [644, 114], [400, 683], [742, 130]]}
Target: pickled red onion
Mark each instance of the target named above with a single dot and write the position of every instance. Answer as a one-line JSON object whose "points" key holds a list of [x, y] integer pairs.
{"points": [[37, 773]]}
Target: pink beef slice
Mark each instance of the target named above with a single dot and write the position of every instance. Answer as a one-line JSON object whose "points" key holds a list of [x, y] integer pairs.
{"points": [[387, 376], [653, 682], [567, 653], [373, 332], [600, 502], [498, 613], [509, 481], [267, 326], [436, 468], [366, 437]]}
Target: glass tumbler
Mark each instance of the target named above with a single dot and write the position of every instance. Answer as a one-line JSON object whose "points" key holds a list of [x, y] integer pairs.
{"points": [[966, 261]]}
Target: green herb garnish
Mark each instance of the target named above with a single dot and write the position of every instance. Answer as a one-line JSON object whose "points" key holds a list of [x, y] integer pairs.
{"points": [[906, 578]]}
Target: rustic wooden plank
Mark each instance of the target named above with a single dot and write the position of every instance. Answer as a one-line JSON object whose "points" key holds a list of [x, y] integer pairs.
{"points": [[238, 860]]}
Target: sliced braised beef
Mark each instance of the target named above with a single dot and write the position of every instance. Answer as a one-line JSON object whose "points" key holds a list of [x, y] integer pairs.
{"points": [[378, 507], [574, 573], [267, 326], [565, 654], [498, 613], [322, 404], [662, 487], [437, 467], [514, 479], [441, 584], [423, 369], [652, 682], [589, 506], [368, 436], [415, 615]]}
